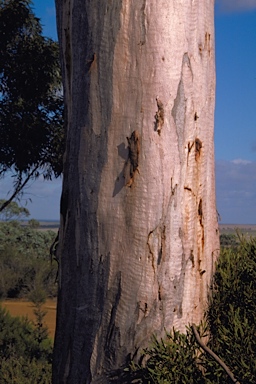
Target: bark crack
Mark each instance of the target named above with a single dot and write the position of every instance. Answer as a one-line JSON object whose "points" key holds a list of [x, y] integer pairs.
{"points": [[132, 163], [200, 214]]}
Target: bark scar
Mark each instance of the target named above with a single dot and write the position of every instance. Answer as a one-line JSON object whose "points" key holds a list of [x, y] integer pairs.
{"points": [[159, 116], [151, 252], [92, 63], [132, 163]]}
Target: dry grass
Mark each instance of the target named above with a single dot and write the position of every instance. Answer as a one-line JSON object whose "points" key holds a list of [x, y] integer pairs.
{"points": [[25, 308]]}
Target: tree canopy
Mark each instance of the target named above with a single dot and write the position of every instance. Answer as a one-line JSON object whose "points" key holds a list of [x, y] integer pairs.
{"points": [[31, 102]]}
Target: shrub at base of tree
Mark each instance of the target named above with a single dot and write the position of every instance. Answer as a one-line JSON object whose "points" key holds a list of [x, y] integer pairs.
{"points": [[23, 358], [232, 310], [230, 331]]}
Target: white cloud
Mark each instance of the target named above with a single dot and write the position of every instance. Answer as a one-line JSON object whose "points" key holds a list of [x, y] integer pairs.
{"points": [[241, 162], [236, 5]]}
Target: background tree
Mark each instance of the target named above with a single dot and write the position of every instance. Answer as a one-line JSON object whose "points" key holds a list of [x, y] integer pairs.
{"points": [[139, 229], [13, 211], [31, 102], [25, 265]]}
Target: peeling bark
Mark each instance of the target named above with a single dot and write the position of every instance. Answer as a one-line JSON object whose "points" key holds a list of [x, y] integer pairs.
{"points": [[138, 219]]}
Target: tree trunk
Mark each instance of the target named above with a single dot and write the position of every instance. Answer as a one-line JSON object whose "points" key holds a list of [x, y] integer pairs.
{"points": [[139, 232]]}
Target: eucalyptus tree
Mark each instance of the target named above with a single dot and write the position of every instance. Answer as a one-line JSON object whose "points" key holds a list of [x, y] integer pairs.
{"points": [[139, 232]]}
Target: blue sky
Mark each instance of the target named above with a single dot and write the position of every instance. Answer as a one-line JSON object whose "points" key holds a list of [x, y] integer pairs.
{"points": [[235, 116]]}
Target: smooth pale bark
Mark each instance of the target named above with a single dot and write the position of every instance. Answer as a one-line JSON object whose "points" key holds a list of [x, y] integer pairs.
{"points": [[139, 232]]}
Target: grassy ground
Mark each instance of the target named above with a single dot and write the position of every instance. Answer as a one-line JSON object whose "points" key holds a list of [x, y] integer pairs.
{"points": [[25, 308]]}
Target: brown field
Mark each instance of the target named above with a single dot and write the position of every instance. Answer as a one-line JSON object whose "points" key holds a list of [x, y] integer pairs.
{"points": [[249, 229], [47, 225], [246, 229], [25, 308]]}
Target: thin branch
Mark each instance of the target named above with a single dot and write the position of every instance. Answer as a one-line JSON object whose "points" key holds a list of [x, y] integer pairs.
{"points": [[18, 188], [216, 358]]}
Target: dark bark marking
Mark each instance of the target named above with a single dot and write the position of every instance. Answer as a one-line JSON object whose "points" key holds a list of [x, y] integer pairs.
{"points": [[143, 23], [200, 211], [145, 310], [192, 258], [202, 237], [189, 190], [206, 46], [161, 253], [198, 147], [190, 146], [64, 200], [196, 116], [173, 189], [207, 42], [159, 116], [200, 214], [132, 163], [159, 293]]}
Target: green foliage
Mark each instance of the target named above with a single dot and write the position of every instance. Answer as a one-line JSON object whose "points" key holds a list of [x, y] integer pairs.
{"points": [[22, 371], [232, 310], [33, 223], [31, 101], [24, 261], [229, 240], [13, 211], [174, 359], [38, 298], [230, 326], [23, 359]]}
